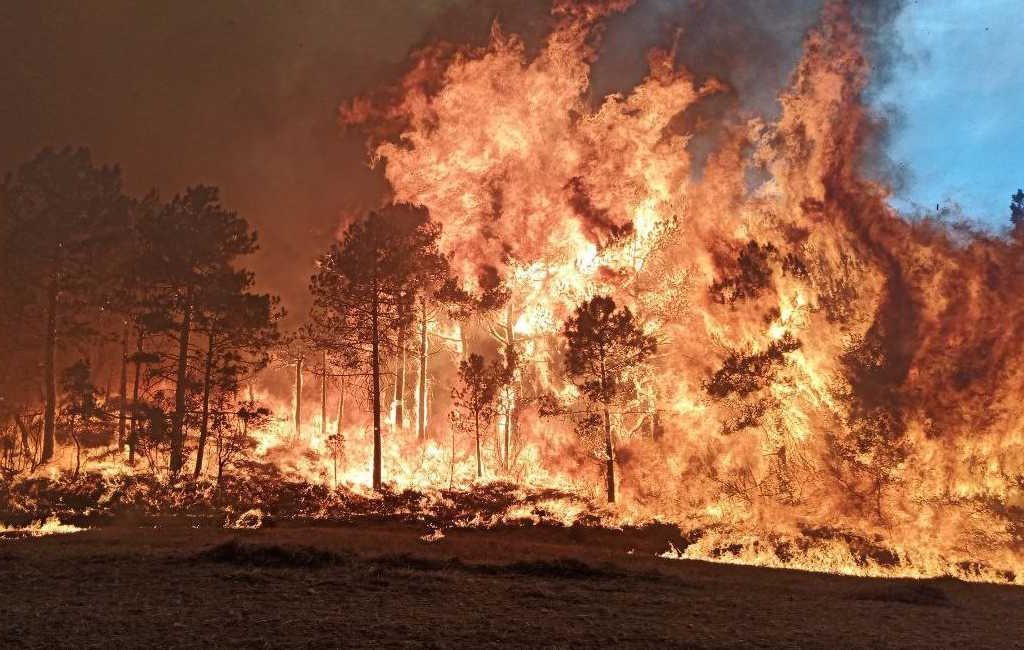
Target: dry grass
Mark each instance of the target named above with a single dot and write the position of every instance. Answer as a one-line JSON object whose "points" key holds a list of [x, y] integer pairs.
{"points": [[380, 585]]}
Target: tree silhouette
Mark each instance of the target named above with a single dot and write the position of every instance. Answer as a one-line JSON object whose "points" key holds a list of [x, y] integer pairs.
{"points": [[604, 345], [81, 409], [240, 329], [232, 432], [192, 244], [1017, 210], [63, 214]]}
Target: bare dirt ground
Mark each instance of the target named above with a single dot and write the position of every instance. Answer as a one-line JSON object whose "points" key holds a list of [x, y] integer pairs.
{"points": [[380, 585]]}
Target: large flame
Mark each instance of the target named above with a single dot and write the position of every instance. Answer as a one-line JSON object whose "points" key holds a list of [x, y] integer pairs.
{"points": [[833, 380]]}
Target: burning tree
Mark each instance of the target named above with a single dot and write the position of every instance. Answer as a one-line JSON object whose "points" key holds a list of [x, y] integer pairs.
{"points": [[364, 289], [240, 328], [192, 244], [233, 433], [336, 450], [82, 411], [604, 347], [474, 397]]}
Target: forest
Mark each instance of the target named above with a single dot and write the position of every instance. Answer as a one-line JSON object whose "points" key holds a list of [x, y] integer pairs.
{"points": [[135, 336], [644, 311], [553, 322]]}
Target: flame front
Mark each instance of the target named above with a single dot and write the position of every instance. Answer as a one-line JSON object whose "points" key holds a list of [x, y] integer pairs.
{"points": [[836, 388]]}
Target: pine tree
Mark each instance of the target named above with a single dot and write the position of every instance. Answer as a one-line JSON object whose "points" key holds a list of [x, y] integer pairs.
{"points": [[364, 290], [604, 346]]}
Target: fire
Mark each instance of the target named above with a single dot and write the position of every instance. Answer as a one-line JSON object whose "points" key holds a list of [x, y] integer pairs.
{"points": [[49, 526], [824, 321], [834, 387]]}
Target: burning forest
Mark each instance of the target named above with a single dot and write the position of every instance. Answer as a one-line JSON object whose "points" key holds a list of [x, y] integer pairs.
{"points": [[656, 311]]}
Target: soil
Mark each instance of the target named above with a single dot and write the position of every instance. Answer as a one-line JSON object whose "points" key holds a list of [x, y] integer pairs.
{"points": [[382, 585]]}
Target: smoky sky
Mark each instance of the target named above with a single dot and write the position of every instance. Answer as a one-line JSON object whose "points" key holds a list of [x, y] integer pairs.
{"points": [[243, 94]]}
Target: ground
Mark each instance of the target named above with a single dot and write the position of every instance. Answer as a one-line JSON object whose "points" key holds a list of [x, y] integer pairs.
{"points": [[382, 585]]}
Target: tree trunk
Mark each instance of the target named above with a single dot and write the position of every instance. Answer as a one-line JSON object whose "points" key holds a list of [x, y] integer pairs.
{"points": [[655, 422], [78, 453], [451, 467], [49, 371], [341, 407], [375, 398], [298, 398], [133, 431], [399, 397], [122, 415], [510, 403], [78, 446], [479, 461], [609, 448], [178, 425], [323, 399], [421, 380], [204, 423], [25, 450]]}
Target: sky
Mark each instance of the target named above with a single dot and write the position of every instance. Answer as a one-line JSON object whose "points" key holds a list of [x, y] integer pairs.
{"points": [[243, 94], [960, 91]]}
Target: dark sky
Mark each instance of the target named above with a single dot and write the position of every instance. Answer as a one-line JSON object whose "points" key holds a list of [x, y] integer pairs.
{"points": [[235, 93]]}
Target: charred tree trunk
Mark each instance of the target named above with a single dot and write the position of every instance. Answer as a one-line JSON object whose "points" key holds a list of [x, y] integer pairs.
{"points": [[609, 449], [204, 423], [510, 403], [78, 452], [655, 422], [49, 371], [341, 407], [421, 380], [609, 444], [178, 425], [375, 397], [133, 431], [479, 460], [323, 399], [122, 415], [399, 397], [298, 398], [25, 436], [451, 467]]}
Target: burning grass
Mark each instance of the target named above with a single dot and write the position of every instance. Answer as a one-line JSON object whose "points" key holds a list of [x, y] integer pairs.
{"points": [[266, 498], [51, 526]]}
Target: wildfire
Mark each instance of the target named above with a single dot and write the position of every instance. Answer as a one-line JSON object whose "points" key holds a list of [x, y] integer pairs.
{"points": [[50, 526], [803, 325], [823, 383]]}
